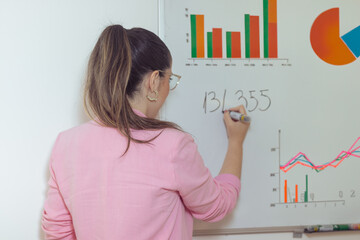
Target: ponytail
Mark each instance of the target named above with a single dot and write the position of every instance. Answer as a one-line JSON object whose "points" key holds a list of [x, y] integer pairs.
{"points": [[116, 67]]}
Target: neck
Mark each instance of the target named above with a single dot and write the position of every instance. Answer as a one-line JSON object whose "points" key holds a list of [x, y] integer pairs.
{"points": [[143, 106]]}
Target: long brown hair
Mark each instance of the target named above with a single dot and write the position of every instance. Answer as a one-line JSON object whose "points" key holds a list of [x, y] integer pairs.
{"points": [[116, 68]]}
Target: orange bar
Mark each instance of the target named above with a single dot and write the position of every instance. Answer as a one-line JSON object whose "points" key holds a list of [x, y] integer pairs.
{"points": [[235, 45], [273, 41], [285, 191], [272, 11], [254, 37], [200, 40], [217, 42], [296, 193]]}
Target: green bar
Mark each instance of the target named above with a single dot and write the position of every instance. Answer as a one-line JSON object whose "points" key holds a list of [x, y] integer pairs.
{"points": [[266, 28], [228, 44], [247, 35], [210, 44], [306, 197], [193, 36]]}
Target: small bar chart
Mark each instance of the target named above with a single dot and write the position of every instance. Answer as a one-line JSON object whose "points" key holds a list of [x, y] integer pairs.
{"points": [[221, 43], [293, 197]]}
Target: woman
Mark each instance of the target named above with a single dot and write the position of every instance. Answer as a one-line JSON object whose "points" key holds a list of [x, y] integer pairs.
{"points": [[127, 175]]}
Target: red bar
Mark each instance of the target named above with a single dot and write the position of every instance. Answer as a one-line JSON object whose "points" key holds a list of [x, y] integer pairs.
{"points": [[273, 46], [254, 37], [235, 45], [217, 42], [285, 191], [296, 193]]}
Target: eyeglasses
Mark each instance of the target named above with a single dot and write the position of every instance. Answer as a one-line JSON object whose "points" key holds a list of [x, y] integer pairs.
{"points": [[173, 80]]}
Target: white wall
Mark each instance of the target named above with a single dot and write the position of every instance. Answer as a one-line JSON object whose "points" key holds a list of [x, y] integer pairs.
{"points": [[44, 47]]}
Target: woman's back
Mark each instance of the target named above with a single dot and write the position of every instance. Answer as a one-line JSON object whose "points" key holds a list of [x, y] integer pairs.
{"points": [[116, 182], [136, 196]]}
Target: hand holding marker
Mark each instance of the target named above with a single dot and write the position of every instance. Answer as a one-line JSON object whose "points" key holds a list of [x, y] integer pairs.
{"points": [[236, 116]]}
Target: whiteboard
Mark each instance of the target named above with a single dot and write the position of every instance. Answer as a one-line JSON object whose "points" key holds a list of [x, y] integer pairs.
{"points": [[304, 107]]}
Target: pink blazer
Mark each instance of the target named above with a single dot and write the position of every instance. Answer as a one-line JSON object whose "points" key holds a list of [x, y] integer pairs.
{"points": [[152, 192]]}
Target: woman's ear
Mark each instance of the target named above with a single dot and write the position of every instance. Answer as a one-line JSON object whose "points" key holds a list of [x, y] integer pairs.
{"points": [[154, 81]]}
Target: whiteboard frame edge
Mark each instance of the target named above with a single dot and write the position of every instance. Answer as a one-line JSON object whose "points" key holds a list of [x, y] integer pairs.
{"points": [[161, 19], [232, 231], [161, 34]]}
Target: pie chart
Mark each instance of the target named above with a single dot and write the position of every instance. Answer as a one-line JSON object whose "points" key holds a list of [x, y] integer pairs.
{"points": [[328, 44]]}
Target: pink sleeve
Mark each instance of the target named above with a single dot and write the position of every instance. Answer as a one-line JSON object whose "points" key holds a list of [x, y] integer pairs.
{"points": [[56, 220], [207, 198]]}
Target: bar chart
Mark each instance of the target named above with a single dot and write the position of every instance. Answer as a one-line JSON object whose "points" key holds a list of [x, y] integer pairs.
{"points": [[293, 197], [216, 48]]}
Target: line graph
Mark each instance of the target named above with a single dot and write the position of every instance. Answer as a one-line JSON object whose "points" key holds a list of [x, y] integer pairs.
{"points": [[303, 160], [292, 193]]}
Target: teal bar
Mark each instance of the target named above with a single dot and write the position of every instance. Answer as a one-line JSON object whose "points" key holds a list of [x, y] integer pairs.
{"points": [[247, 35], [228, 44], [193, 36], [266, 28], [210, 44], [306, 196]]}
